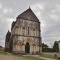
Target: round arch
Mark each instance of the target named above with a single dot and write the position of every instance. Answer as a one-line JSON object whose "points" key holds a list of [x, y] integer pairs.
{"points": [[29, 40]]}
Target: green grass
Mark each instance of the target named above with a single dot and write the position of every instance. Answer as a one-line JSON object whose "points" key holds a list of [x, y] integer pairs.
{"points": [[3, 54], [32, 58], [28, 57], [47, 56]]}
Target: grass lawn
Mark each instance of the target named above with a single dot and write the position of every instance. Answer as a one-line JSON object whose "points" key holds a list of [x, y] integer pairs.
{"points": [[48, 56], [12, 57], [32, 58], [2, 52], [9, 56]]}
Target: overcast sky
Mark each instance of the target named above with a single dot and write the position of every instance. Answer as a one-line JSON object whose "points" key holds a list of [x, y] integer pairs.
{"points": [[47, 11]]}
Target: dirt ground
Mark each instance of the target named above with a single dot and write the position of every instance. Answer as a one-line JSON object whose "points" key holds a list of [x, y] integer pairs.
{"points": [[10, 57], [15, 57]]}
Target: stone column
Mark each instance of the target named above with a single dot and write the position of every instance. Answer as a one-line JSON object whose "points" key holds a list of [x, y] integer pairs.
{"points": [[40, 45], [31, 49], [23, 48]]}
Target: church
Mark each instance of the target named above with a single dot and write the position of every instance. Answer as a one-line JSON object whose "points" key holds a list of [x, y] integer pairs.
{"points": [[25, 35]]}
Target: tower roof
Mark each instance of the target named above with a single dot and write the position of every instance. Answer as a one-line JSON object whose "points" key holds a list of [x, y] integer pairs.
{"points": [[28, 15]]}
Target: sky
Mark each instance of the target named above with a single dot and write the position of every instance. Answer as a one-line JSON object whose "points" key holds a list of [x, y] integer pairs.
{"points": [[47, 11]]}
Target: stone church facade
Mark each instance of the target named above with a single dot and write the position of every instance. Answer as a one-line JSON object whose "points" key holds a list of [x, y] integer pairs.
{"points": [[26, 34]]}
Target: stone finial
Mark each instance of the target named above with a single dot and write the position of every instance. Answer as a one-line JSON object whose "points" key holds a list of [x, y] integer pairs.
{"points": [[29, 7]]}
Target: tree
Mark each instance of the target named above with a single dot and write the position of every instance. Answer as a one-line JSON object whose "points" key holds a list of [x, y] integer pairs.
{"points": [[55, 46], [45, 47]]}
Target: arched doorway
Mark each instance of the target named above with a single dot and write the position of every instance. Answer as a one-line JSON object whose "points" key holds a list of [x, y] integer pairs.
{"points": [[27, 48]]}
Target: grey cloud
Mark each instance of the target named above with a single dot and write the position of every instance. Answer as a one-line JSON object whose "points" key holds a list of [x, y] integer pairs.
{"points": [[46, 10]]}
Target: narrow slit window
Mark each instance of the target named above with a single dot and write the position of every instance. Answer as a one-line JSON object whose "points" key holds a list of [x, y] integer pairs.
{"points": [[28, 30]]}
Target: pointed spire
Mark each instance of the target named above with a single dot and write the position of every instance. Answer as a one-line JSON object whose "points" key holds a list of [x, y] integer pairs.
{"points": [[29, 7], [8, 30]]}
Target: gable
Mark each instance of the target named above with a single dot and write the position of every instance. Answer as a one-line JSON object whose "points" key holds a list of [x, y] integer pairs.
{"points": [[28, 15]]}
